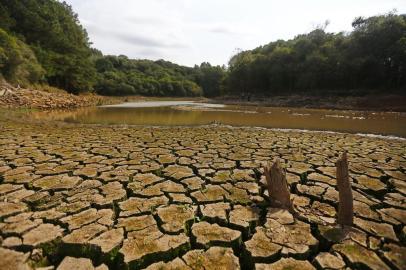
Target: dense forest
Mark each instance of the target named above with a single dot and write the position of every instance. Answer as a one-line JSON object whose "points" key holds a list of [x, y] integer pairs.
{"points": [[118, 75], [42, 41], [371, 58]]}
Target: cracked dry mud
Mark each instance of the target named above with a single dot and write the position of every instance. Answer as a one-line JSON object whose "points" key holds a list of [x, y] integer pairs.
{"points": [[92, 197]]}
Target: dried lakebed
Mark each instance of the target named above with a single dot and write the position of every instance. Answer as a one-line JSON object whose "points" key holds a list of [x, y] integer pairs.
{"points": [[91, 197]]}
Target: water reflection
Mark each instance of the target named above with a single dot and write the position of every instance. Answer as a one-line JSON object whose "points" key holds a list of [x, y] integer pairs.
{"points": [[190, 114]]}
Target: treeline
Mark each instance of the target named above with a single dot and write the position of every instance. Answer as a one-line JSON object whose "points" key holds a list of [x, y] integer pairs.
{"points": [[42, 41], [118, 75], [371, 58]]}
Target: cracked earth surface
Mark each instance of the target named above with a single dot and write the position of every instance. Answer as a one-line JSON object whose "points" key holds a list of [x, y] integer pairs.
{"points": [[92, 197]]}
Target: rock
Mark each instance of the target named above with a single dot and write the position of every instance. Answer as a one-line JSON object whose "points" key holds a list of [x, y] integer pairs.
{"points": [[397, 175], [147, 246], [377, 229], [193, 183], [56, 182], [19, 226], [237, 195], [158, 189], [22, 178], [11, 208], [49, 215], [397, 214], [371, 184], [84, 234], [395, 255], [8, 188], [221, 177], [358, 255], [69, 263], [176, 218], [78, 220], [171, 265], [88, 172], [321, 178], [331, 235], [12, 242], [180, 198], [109, 240], [178, 172], [216, 212], [213, 258], [12, 260], [251, 187], [296, 238], [244, 218], [136, 223], [102, 216], [260, 249], [315, 192], [243, 175], [286, 263], [138, 206], [210, 194], [146, 179], [329, 261], [207, 235], [73, 208], [44, 233], [364, 210], [112, 192], [282, 216]]}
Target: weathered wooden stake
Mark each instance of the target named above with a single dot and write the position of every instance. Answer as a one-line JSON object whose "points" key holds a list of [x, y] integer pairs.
{"points": [[345, 201], [278, 186]]}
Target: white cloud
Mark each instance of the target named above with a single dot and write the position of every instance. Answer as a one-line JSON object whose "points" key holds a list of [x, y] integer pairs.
{"points": [[192, 31]]}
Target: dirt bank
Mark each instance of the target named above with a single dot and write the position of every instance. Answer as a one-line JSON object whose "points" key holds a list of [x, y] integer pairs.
{"points": [[51, 98], [47, 98], [396, 103]]}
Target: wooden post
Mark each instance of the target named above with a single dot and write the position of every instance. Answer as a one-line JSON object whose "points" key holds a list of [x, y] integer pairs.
{"points": [[278, 186], [345, 201]]}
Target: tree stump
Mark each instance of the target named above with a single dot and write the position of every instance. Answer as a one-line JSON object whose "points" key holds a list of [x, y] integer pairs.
{"points": [[278, 189], [345, 201]]}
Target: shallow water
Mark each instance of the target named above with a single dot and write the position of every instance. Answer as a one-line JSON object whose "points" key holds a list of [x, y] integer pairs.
{"points": [[174, 113]]}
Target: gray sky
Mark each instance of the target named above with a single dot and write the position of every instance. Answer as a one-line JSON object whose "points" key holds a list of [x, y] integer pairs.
{"points": [[189, 32]]}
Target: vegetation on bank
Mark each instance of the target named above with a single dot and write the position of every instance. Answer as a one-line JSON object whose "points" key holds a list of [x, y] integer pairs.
{"points": [[370, 58], [42, 41]]}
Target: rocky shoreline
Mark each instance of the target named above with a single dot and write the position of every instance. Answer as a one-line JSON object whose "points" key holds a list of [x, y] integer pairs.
{"points": [[12, 97], [184, 198]]}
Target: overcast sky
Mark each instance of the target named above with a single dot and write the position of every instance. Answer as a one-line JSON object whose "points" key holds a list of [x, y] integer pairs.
{"points": [[189, 32]]}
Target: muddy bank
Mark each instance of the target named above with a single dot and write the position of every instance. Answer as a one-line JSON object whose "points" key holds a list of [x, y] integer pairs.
{"points": [[12, 97], [164, 198], [395, 103]]}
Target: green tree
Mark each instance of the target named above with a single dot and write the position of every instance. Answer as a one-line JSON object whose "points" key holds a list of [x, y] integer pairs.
{"points": [[60, 43], [370, 58], [18, 63]]}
